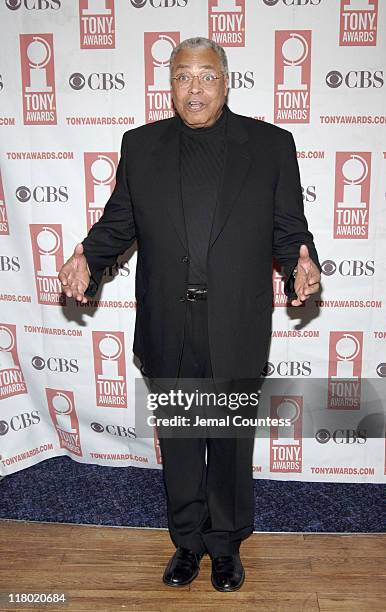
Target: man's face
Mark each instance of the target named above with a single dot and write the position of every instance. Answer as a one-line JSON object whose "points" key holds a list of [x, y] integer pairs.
{"points": [[198, 104]]}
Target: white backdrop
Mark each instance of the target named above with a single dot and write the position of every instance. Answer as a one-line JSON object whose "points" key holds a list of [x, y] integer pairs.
{"points": [[74, 76]]}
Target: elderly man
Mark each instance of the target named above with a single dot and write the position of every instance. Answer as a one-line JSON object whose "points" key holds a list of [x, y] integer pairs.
{"points": [[210, 197]]}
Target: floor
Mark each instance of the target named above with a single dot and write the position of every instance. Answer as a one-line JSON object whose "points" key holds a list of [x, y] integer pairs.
{"points": [[110, 568]]}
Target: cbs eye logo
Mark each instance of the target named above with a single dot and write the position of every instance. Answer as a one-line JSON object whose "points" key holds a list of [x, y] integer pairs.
{"points": [[322, 436], [4, 427], [328, 267], [23, 194], [381, 370], [268, 369], [334, 79], [38, 362], [77, 81], [13, 5], [138, 3]]}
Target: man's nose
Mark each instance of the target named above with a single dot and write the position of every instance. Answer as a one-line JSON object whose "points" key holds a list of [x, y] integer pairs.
{"points": [[195, 84]]}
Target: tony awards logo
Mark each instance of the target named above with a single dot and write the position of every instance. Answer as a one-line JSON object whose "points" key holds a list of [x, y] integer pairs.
{"points": [[286, 442], [61, 406], [11, 375], [227, 22], [47, 250], [279, 297], [99, 169], [158, 98], [358, 23], [352, 195], [97, 24], [38, 79], [344, 370], [110, 369], [292, 76], [4, 227]]}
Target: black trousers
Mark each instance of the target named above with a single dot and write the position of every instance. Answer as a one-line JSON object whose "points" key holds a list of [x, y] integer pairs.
{"points": [[208, 481]]}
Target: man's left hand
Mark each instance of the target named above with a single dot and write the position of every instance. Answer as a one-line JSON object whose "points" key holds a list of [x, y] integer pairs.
{"points": [[307, 277]]}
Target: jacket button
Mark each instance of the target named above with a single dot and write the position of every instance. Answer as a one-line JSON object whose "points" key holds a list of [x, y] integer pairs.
{"points": [[185, 259], [182, 299]]}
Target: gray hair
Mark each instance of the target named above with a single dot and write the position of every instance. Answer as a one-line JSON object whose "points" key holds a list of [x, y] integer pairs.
{"points": [[204, 43]]}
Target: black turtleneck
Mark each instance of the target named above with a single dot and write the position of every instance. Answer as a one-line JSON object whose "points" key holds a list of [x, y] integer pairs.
{"points": [[202, 153]]}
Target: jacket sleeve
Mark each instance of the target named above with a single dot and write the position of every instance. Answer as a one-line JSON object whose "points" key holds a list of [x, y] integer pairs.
{"points": [[290, 224], [115, 230]]}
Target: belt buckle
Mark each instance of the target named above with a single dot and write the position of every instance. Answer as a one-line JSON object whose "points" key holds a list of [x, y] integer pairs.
{"points": [[193, 294]]}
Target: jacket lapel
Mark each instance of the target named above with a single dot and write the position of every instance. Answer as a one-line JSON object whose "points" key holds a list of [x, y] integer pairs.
{"points": [[236, 165], [167, 177]]}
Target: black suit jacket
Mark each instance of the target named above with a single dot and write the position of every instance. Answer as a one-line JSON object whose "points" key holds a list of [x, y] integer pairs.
{"points": [[259, 215]]}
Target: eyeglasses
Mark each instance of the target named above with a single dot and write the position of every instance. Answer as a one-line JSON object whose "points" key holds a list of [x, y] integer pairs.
{"points": [[206, 79]]}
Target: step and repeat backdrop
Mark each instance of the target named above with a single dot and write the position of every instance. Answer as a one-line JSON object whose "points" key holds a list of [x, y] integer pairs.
{"points": [[74, 76]]}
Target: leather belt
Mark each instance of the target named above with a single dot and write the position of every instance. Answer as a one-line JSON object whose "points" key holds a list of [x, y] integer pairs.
{"points": [[196, 293]]}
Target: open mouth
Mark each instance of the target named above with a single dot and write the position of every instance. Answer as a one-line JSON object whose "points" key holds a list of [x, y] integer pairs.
{"points": [[195, 105]]}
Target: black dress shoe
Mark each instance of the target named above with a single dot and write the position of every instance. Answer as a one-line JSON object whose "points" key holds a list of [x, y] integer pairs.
{"points": [[182, 568], [227, 573]]}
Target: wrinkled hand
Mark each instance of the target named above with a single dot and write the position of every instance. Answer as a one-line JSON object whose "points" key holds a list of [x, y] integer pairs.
{"points": [[307, 277], [75, 275]]}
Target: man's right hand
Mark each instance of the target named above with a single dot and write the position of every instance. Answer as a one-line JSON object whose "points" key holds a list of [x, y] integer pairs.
{"points": [[75, 275]]}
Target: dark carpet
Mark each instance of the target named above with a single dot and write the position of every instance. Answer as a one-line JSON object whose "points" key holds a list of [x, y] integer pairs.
{"points": [[61, 490]]}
